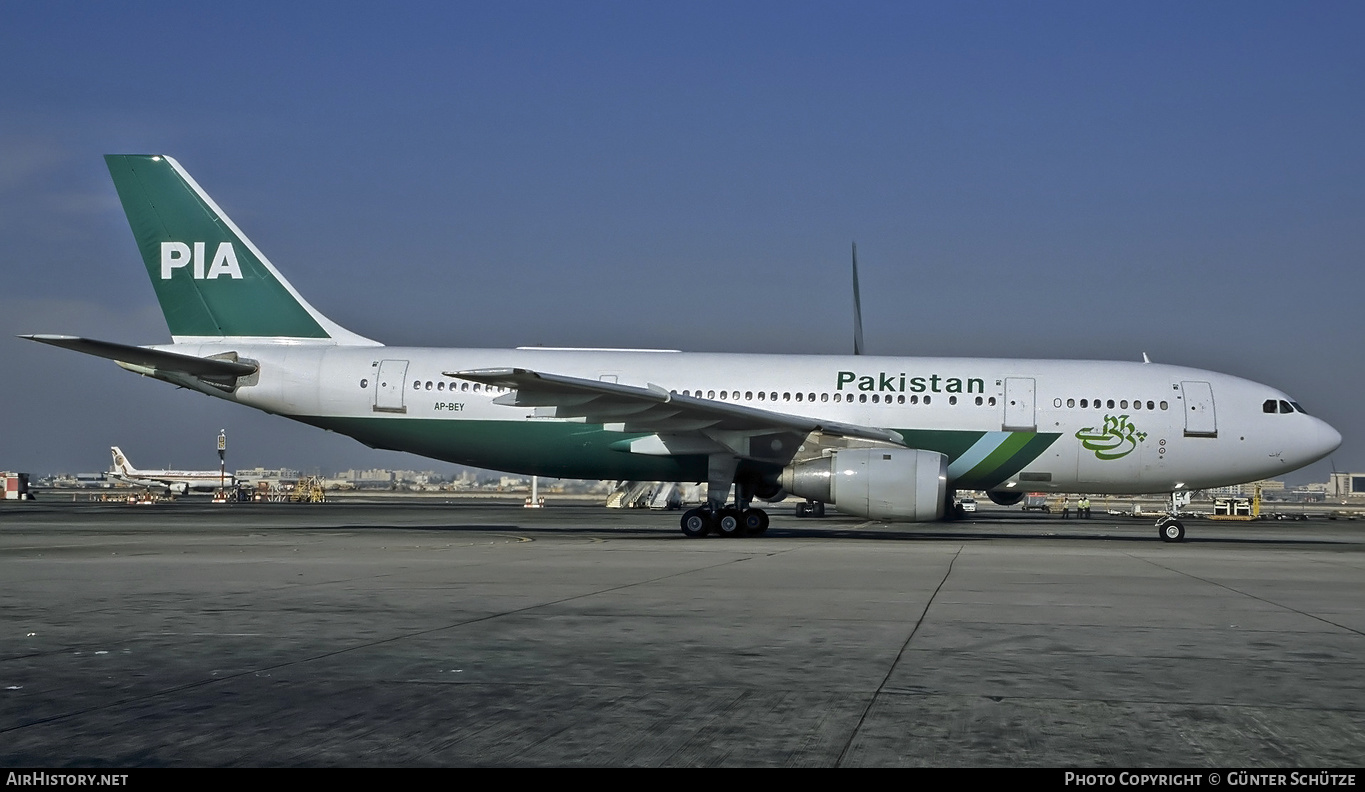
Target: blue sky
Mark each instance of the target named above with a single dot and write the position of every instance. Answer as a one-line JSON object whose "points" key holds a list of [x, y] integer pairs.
{"points": [[1069, 180]]}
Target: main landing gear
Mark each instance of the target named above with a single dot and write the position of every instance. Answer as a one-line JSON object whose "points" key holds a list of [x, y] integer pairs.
{"points": [[728, 521], [738, 519]]}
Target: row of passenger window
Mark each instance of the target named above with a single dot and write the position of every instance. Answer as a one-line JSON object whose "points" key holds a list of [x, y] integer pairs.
{"points": [[762, 396], [1109, 404], [464, 387], [1270, 406], [862, 398]]}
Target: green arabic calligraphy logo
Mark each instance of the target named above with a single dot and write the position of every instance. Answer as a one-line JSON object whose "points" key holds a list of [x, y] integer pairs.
{"points": [[1117, 438]]}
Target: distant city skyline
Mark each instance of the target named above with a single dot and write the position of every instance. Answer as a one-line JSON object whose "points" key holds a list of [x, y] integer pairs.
{"points": [[1056, 179]]}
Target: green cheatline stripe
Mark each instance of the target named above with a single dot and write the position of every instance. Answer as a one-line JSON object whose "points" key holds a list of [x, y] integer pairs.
{"points": [[952, 443], [1002, 453], [567, 450], [1033, 446], [574, 450]]}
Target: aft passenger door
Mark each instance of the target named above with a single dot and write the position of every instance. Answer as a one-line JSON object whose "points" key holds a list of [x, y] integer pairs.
{"points": [[388, 386]]}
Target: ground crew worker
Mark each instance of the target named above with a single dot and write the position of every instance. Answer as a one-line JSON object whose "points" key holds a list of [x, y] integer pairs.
{"points": [[1066, 508], [1083, 507]]}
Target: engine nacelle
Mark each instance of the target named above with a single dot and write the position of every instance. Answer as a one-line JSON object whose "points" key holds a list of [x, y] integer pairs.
{"points": [[1005, 498], [182, 488], [898, 484], [770, 492]]}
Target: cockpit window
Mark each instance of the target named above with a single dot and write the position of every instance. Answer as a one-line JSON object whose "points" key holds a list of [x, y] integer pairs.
{"points": [[1282, 407]]}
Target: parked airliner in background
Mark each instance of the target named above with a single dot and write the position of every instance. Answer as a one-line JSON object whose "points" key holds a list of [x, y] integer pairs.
{"points": [[175, 482], [886, 438]]}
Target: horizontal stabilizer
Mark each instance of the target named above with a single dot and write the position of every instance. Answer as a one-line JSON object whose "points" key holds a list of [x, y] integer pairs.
{"points": [[208, 368]]}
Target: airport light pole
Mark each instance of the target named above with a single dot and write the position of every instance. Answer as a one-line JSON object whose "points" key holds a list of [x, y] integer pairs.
{"points": [[222, 461]]}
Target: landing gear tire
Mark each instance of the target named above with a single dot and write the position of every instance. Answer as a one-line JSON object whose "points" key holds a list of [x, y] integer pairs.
{"points": [[696, 523], [755, 521], [1171, 530], [728, 522]]}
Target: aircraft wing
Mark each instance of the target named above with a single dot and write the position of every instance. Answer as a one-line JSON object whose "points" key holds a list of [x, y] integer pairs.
{"points": [[207, 368], [679, 424]]}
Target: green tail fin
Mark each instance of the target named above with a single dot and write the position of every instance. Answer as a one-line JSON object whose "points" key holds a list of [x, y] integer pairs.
{"points": [[210, 280]]}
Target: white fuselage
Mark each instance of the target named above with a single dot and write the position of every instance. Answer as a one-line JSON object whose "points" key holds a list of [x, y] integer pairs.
{"points": [[173, 481], [176, 481], [1046, 425]]}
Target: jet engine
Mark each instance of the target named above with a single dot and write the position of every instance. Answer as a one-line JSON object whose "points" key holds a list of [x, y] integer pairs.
{"points": [[1005, 498], [182, 488], [900, 484], [770, 492]]}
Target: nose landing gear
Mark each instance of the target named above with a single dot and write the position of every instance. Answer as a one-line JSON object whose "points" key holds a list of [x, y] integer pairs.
{"points": [[1170, 529]]}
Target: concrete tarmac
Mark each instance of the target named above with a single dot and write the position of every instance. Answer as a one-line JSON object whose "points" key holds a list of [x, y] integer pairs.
{"points": [[399, 634]]}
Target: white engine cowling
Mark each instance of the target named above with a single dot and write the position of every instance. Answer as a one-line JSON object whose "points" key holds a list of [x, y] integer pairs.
{"points": [[898, 484]]}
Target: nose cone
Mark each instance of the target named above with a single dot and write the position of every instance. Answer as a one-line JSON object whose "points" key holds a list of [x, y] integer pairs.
{"points": [[1322, 440]]}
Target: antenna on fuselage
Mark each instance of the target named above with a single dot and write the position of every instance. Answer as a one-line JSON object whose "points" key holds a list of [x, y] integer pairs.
{"points": [[857, 307]]}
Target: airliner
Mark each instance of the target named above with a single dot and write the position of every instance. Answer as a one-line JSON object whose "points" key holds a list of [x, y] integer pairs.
{"points": [[175, 482], [884, 438]]}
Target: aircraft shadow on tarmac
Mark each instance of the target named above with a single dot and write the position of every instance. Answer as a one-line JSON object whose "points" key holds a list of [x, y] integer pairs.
{"points": [[581, 521], [887, 533]]}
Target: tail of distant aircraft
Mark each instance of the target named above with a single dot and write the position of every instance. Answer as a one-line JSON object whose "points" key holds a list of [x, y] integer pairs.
{"points": [[211, 281], [121, 464]]}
